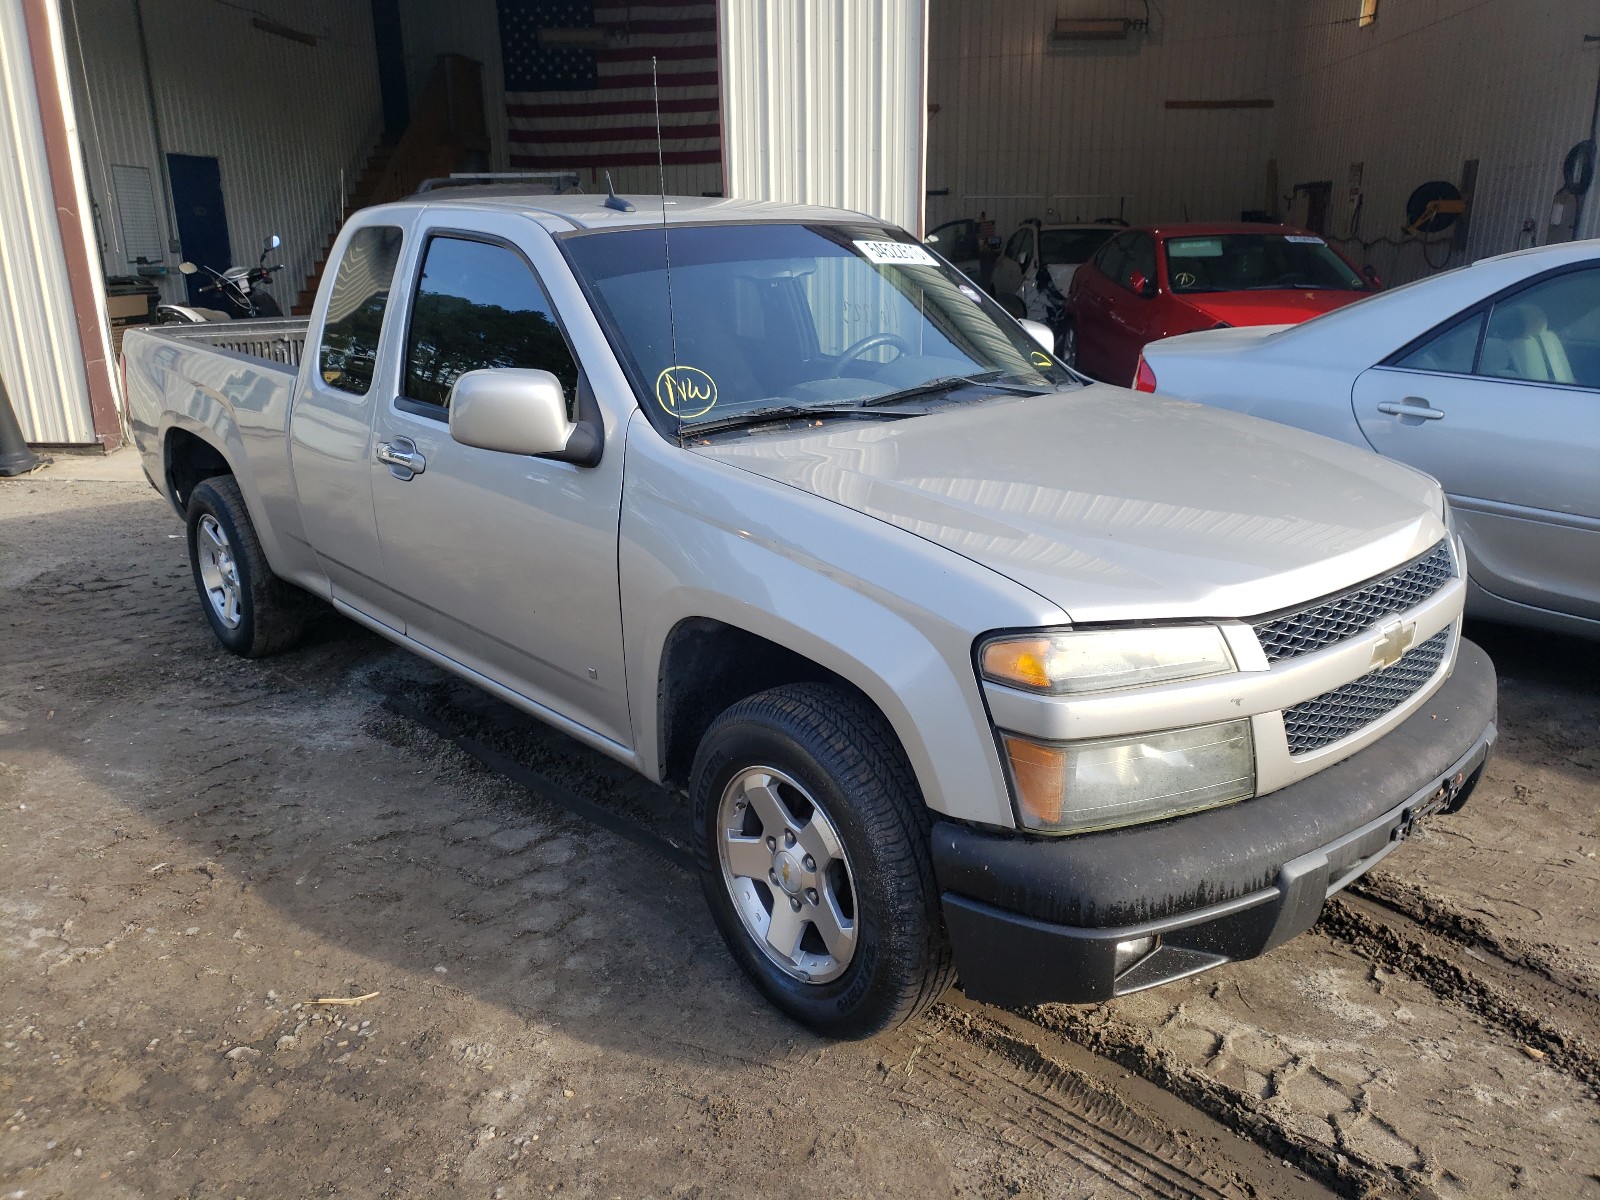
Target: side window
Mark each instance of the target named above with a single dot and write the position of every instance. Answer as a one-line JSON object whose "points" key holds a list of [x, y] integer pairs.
{"points": [[1454, 350], [1114, 258], [1548, 333], [349, 349], [480, 305], [1016, 247], [1141, 258]]}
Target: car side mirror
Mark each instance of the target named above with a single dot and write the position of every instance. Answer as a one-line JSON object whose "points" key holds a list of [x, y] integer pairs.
{"points": [[1370, 274], [519, 411], [1142, 286], [1040, 332]]}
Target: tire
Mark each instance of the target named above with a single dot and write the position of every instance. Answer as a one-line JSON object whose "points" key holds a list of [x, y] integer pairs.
{"points": [[252, 612], [818, 771]]}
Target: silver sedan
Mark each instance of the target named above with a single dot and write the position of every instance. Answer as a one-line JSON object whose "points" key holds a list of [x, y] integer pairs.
{"points": [[1486, 377]]}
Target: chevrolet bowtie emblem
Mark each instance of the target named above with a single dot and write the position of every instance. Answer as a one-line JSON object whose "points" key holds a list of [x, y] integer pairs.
{"points": [[1396, 640]]}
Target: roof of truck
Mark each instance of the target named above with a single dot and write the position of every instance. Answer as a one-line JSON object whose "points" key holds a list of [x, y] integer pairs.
{"points": [[580, 211]]}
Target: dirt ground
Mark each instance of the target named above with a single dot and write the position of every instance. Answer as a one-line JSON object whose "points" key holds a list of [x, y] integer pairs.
{"points": [[194, 850]]}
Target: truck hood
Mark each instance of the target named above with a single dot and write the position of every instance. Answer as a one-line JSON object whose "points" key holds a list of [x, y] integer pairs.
{"points": [[1115, 505], [1277, 307]]}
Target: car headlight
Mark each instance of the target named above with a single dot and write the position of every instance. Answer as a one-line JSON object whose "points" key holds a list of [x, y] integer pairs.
{"points": [[1102, 660], [1072, 787]]}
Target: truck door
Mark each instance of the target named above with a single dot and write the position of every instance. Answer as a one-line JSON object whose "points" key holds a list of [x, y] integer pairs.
{"points": [[330, 426], [506, 564]]}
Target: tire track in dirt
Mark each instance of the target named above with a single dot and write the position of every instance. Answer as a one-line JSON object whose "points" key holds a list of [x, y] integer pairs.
{"points": [[1551, 1022]]}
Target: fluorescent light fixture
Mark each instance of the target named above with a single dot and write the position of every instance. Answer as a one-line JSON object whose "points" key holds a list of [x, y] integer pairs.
{"points": [[1090, 29]]}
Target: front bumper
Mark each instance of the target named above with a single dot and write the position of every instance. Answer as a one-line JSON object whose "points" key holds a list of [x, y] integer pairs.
{"points": [[1035, 919]]}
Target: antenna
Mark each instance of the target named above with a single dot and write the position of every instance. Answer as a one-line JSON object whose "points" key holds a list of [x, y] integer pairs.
{"points": [[613, 200], [666, 246]]}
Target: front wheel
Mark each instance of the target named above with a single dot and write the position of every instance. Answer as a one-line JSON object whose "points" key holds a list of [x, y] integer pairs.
{"points": [[813, 846]]}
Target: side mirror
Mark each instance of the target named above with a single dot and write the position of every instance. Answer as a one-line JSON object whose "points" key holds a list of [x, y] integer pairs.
{"points": [[518, 411], [1040, 332], [1370, 274], [1142, 286], [188, 268], [272, 243]]}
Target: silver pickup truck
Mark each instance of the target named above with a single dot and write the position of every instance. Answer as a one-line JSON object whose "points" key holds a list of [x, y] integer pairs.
{"points": [[966, 665]]}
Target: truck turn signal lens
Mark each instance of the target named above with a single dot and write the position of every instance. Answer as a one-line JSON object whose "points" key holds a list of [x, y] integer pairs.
{"points": [[1040, 772]]}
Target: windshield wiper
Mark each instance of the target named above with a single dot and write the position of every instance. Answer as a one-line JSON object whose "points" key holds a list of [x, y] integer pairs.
{"points": [[779, 412], [950, 383]]}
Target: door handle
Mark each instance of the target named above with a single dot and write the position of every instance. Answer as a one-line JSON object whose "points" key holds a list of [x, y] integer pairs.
{"points": [[1411, 406], [401, 457]]}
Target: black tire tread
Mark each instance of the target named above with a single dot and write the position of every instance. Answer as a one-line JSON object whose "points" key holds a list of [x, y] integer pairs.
{"points": [[880, 782], [278, 609]]}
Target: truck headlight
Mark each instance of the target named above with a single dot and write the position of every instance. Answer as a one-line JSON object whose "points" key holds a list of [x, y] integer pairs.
{"points": [[1101, 660], [1071, 787]]}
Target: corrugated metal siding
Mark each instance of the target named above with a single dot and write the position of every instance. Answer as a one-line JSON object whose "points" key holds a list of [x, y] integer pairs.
{"points": [[1025, 128], [282, 118], [472, 28], [1432, 84], [823, 103], [41, 357]]}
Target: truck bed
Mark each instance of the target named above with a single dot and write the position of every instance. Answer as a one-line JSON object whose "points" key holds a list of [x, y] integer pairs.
{"points": [[276, 341]]}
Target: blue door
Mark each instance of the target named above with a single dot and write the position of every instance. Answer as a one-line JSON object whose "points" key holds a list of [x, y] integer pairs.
{"points": [[202, 221]]}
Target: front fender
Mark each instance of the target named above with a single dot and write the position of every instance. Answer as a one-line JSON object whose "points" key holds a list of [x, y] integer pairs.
{"points": [[703, 539]]}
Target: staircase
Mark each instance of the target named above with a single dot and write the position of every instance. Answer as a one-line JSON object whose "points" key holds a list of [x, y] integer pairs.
{"points": [[360, 197], [447, 133]]}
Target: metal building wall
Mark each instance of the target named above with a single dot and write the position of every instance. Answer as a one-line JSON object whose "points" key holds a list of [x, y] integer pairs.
{"points": [[472, 28], [1431, 84], [289, 123], [41, 357], [1021, 127], [823, 102]]}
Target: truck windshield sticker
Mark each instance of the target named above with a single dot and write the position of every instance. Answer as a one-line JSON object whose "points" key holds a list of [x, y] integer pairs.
{"points": [[897, 254], [686, 391], [1302, 239]]}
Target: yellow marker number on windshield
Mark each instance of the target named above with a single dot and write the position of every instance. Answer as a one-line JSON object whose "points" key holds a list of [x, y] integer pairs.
{"points": [[1040, 359], [686, 391]]}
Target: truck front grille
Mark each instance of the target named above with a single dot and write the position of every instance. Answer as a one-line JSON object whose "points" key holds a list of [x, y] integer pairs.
{"points": [[1336, 618], [1325, 719]]}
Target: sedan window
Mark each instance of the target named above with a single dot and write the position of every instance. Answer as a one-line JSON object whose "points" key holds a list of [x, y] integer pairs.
{"points": [[1454, 351], [1548, 333]]}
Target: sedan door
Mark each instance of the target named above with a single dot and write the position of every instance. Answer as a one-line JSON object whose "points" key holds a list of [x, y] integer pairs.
{"points": [[506, 564], [1502, 406]]}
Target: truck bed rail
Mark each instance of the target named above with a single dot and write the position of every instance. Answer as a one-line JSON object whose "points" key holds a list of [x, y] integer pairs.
{"points": [[280, 340]]}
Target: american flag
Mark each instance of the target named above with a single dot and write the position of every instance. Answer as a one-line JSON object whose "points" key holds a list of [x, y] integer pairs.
{"points": [[592, 106]]}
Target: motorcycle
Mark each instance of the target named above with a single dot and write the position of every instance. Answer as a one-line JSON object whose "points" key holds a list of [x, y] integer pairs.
{"points": [[238, 288]]}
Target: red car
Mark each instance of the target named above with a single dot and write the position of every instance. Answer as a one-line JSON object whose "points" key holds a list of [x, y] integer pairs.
{"points": [[1151, 283]]}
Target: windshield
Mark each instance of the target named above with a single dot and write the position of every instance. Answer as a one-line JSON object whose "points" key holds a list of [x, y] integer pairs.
{"points": [[1072, 245], [812, 317], [1249, 262]]}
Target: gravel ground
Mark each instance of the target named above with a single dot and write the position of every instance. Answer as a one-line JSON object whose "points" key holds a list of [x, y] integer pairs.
{"points": [[196, 850]]}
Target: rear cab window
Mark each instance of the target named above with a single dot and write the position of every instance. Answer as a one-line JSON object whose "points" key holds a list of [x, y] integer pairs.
{"points": [[348, 353]]}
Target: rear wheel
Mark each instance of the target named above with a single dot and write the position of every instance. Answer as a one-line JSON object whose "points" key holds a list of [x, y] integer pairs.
{"points": [[252, 612], [813, 847]]}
